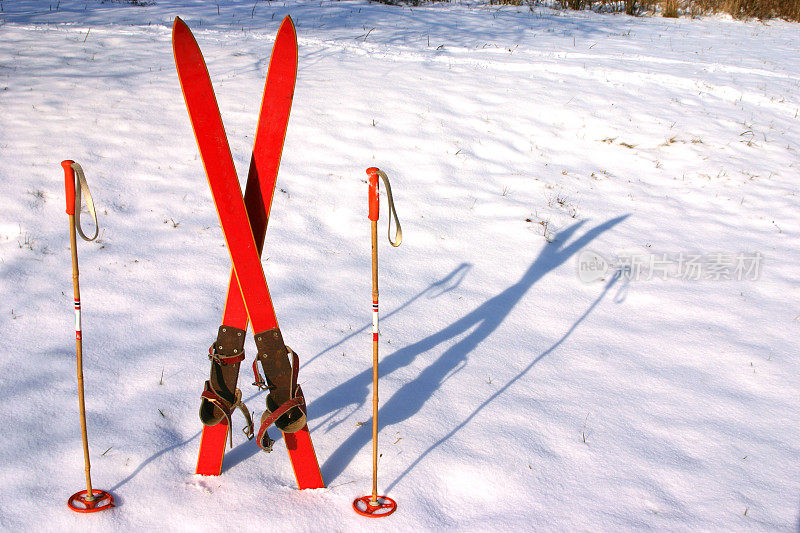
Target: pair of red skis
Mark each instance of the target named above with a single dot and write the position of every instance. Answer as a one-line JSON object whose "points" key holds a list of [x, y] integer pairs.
{"points": [[244, 220]]}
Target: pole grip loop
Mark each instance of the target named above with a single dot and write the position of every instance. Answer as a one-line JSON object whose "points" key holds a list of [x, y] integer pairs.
{"points": [[76, 186], [374, 203]]}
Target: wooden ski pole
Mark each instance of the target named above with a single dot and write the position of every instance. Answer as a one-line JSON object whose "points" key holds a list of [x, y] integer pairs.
{"points": [[375, 506], [89, 500], [374, 227]]}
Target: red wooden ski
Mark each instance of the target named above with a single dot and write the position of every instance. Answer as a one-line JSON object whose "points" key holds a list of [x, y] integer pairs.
{"points": [[270, 132], [244, 221]]}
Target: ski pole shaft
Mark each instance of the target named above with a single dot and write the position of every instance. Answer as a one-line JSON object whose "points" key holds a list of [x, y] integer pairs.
{"points": [[374, 225], [376, 506], [88, 501], [374, 209], [72, 201]]}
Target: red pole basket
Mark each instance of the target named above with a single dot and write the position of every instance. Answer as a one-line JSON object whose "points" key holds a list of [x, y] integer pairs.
{"points": [[385, 507], [102, 501]]}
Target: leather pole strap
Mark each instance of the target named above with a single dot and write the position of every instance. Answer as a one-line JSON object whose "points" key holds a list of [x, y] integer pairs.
{"points": [[82, 188]]}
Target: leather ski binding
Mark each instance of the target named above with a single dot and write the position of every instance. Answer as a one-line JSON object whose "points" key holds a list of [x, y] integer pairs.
{"points": [[285, 401], [220, 396]]}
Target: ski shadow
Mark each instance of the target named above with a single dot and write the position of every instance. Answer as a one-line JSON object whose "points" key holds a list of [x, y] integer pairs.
{"points": [[476, 326], [615, 277], [451, 281]]}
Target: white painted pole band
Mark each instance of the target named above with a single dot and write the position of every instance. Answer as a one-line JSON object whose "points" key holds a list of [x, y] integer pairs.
{"points": [[77, 319], [375, 320]]}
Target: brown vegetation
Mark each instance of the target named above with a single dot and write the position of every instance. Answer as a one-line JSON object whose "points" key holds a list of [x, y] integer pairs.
{"points": [[741, 9]]}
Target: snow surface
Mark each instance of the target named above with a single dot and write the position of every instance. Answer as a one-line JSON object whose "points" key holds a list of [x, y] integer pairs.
{"points": [[514, 396]]}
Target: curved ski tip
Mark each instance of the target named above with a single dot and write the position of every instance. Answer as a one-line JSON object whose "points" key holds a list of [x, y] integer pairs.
{"points": [[287, 21], [179, 25], [181, 34]]}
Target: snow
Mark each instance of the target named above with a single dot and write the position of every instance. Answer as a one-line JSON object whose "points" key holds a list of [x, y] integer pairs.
{"points": [[514, 396]]}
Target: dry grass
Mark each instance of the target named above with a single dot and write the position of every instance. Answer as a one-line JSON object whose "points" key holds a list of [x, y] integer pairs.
{"points": [[761, 9], [740, 9], [670, 8]]}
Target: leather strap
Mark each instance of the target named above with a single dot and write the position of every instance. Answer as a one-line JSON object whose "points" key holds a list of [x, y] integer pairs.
{"points": [[224, 360], [82, 188], [398, 234], [297, 401], [227, 408]]}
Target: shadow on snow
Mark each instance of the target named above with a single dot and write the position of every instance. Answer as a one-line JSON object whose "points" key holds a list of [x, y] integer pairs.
{"points": [[478, 325], [448, 283]]}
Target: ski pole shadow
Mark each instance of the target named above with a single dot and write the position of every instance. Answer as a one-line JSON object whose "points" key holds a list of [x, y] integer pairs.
{"points": [[451, 281], [150, 459], [232, 458], [615, 277], [476, 327], [797, 524], [434, 290]]}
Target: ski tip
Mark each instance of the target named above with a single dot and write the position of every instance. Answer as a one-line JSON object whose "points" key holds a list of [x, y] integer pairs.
{"points": [[182, 37], [286, 38], [179, 26], [287, 25]]}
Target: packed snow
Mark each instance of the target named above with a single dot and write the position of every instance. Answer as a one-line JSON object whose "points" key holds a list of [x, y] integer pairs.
{"points": [[518, 391]]}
